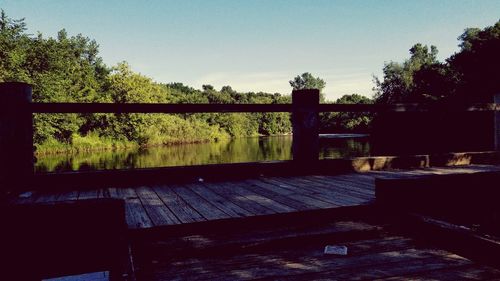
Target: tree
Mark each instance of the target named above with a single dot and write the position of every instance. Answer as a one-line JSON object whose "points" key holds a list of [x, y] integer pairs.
{"points": [[398, 82], [307, 81], [340, 122], [13, 45], [470, 75], [475, 68]]}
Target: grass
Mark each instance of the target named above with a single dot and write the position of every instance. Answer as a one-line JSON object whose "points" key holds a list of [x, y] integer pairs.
{"points": [[90, 142]]}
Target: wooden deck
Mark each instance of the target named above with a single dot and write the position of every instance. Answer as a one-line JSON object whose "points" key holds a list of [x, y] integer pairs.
{"points": [[168, 205], [374, 253]]}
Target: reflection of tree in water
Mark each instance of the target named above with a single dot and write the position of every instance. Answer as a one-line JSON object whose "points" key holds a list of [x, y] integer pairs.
{"points": [[233, 151], [344, 147]]}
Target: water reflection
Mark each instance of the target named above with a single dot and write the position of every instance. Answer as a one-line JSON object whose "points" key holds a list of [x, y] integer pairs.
{"points": [[233, 151]]}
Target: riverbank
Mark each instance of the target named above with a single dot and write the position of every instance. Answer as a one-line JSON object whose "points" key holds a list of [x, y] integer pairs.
{"points": [[79, 144], [95, 143]]}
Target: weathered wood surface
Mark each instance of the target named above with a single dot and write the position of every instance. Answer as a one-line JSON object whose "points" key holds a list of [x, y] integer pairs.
{"points": [[297, 254], [166, 205]]}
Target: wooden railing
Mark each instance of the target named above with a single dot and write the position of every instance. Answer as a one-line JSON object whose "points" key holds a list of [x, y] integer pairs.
{"points": [[16, 121], [228, 108]]}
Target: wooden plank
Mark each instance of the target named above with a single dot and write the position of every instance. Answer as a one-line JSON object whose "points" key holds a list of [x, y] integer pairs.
{"points": [[367, 190], [155, 108], [47, 197], [156, 209], [246, 203], [201, 108], [123, 193], [87, 194], [222, 203], [202, 206], [250, 240], [261, 182], [267, 202], [451, 273], [305, 253], [182, 267], [136, 216], [184, 212], [135, 213], [27, 197], [304, 264], [295, 194], [315, 191], [68, 196], [94, 276], [384, 270], [103, 193], [367, 177], [358, 179], [342, 196], [286, 200], [350, 188]]}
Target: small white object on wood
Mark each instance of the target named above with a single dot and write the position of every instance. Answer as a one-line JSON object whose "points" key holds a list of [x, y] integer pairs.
{"points": [[335, 250]]}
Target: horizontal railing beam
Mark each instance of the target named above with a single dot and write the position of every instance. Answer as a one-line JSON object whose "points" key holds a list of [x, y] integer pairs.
{"points": [[154, 108], [207, 108], [406, 107]]}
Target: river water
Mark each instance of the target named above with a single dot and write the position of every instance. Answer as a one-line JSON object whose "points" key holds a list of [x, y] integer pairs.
{"points": [[252, 149]]}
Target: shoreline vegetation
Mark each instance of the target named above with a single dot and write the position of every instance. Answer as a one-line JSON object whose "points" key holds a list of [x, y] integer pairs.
{"points": [[94, 143]]}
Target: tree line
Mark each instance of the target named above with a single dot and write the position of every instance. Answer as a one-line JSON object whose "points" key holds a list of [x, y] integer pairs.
{"points": [[469, 75], [69, 69]]}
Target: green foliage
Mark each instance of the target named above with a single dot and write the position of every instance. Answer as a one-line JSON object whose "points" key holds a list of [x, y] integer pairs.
{"points": [[475, 68], [79, 144], [347, 122], [69, 69], [398, 84], [470, 75], [307, 81]]}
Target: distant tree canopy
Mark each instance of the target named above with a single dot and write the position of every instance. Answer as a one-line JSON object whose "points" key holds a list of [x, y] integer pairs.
{"points": [[470, 75]]}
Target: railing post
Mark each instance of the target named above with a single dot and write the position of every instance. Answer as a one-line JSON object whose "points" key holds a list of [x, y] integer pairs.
{"points": [[16, 136], [496, 114], [305, 122]]}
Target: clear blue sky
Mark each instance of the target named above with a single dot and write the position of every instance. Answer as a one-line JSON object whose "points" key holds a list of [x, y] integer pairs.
{"points": [[258, 45]]}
